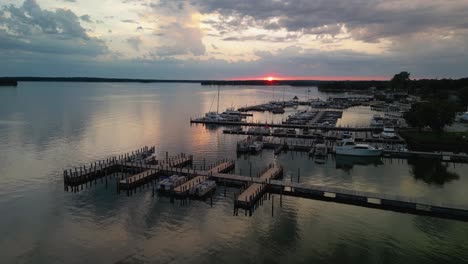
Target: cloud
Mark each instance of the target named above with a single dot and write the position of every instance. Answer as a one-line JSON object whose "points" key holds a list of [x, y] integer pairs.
{"points": [[129, 21], [30, 29], [183, 39], [366, 20], [86, 18]]}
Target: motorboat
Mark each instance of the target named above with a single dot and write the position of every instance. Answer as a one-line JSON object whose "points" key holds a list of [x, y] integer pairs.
{"points": [[259, 130], [256, 146], [377, 121], [203, 188], [169, 183], [278, 131], [232, 111], [277, 110], [214, 116], [347, 146], [347, 134], [388, 132], [375, 134], [291, 131]]}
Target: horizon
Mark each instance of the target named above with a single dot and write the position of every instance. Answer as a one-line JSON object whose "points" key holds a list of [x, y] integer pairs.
{"points": [[222, 40]]}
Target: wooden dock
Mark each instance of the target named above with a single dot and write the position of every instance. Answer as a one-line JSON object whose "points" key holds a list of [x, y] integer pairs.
{"points": [[255, 190], [179, 161], [189, 184], [257, 186], [138, 179]]}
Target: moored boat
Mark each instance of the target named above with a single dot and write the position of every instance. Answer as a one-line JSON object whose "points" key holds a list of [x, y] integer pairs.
{"points": [[348, 147]]}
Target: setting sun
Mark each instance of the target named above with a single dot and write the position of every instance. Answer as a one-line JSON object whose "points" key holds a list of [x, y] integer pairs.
{"points": [[269, 78]]}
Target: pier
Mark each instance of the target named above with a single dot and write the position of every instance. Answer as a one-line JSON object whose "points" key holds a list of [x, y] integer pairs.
{"points": [[133, 174], [255, 190], [281, 125]]}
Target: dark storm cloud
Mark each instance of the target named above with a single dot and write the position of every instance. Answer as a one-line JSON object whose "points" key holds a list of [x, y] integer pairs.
{"points": [[30, 29], [367, 20]]}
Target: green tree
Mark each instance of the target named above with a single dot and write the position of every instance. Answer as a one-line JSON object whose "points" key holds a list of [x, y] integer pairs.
{"points": [[463, 98], [436, 114], [401, 80]]}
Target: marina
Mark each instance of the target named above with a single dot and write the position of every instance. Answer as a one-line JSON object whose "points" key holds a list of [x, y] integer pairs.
{"points": [[129, 197]]}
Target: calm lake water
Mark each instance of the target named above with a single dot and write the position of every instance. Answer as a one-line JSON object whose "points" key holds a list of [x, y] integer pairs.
{"points": [[47, 127]]}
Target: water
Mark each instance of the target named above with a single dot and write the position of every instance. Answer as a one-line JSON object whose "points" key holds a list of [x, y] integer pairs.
{"points": [[46, 127]]}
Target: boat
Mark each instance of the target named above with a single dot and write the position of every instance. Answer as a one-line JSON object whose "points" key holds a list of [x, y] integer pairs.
{"points": [[203, 188], [214, 116], [347, 146], [375, 134], [305, 131], [169, 183], [291, 131], [377, 121], [321, 153], [278, 131], [259, 130], [256, 146], [347, 134], [232, 111], [277, 110], [389, 133]]}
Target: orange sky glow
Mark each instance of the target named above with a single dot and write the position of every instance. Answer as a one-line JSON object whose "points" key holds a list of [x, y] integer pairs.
{"points": [[276, 77]]}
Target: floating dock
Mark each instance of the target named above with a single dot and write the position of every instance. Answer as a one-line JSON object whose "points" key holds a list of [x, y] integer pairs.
{"points": [[255, 190], [256, 187]]}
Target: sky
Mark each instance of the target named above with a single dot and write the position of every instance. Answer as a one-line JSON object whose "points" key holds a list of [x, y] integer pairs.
{"points": [[241, 39]]}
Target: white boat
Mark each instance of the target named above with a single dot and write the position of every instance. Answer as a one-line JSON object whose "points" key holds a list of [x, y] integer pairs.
{"points": [[169, 183], [203, 188], [347, 134], [347, 146], [232, 111], [259, 130], [375, 135], [256, 146], [214, 116], [388, 132]]}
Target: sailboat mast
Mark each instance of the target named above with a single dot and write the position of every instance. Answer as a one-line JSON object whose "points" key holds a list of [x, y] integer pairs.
{"points": [[217, 108]]}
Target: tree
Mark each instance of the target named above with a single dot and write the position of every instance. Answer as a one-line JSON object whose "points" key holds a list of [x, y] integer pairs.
{"points": [[418, 116], [436, 114], [463, 98], [401, 80]]}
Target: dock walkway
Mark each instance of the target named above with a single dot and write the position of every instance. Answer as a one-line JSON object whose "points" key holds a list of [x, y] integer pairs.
{"points": [[255, 190]]}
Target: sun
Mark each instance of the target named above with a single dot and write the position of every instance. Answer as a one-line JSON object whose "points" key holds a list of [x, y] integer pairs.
{"points": [[269, 78]]}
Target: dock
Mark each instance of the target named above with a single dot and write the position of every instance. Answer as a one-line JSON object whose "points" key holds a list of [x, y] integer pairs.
{"points": [[281, 125], [361, 136], [255, 190]]}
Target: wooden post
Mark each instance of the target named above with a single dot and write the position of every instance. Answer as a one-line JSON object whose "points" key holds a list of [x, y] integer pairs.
{"points": [[272, 205]]}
